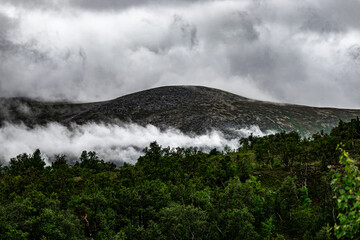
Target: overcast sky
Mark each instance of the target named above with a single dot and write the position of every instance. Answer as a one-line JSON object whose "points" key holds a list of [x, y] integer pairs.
{"points": [[305, 52]]}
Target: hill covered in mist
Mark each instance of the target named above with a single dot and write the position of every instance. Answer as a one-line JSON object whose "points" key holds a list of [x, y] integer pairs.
{"points": [[188, 108]]}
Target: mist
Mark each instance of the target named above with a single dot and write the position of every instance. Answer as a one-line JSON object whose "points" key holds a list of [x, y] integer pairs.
{"points": [[111, 142]]}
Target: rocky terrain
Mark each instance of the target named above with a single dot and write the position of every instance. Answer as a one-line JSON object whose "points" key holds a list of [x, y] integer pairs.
{"points": [[188, 108]]}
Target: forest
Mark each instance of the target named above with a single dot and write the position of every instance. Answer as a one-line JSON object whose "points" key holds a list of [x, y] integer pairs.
{"points": [[281, 186]]}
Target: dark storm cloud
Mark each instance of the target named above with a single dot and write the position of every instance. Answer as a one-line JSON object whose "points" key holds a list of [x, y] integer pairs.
{"points": [[116, 4], [94, 5], [303, 52]]}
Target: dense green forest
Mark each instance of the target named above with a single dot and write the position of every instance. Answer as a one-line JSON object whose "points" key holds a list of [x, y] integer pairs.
{"points": [[279, 186]]}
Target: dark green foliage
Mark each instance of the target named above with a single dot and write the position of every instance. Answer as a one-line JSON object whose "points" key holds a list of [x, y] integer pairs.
{"points": [[286, 147], [243, 168], [24, 163], [90, 160], [286, 198], [305, 196], [37, 216], [274, 187], [184, 222], [347, 191]]}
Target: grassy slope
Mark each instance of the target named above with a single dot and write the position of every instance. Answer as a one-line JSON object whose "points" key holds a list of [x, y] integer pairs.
{"points": [[190, 109]]}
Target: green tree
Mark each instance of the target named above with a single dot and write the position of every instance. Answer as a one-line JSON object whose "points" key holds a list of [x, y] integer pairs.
{"points": [[184, 222], [25, 163], [346, 185]]}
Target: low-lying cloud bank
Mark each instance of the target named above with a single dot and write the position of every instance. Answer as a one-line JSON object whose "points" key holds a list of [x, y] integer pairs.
{"points": [[111, 142]]}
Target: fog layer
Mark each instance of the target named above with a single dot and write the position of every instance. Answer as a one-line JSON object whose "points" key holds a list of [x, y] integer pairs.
{"points": [[111, 142]]}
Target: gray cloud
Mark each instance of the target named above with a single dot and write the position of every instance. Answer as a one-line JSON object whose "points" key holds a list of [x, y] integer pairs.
{"points": [[95, 5], [298, 52]]}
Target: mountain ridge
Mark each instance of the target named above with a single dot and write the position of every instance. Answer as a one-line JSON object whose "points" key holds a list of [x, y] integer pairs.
{"points": [[188, 108]]}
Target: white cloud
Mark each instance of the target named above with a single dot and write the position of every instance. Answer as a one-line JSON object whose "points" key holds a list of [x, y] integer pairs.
{"points": [[112, 142]]}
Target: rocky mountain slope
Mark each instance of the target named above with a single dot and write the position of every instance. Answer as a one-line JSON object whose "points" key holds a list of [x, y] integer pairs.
{"points": [[188, 108]]}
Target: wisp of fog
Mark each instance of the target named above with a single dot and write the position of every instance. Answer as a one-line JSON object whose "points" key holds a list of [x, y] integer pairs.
{"points": [[116, 143]]}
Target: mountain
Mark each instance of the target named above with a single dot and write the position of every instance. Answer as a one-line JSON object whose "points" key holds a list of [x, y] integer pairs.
{"points": [[188, 108]]}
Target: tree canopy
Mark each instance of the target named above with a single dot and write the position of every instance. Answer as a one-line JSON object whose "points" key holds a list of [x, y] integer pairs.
{"points": [[279, 186]]}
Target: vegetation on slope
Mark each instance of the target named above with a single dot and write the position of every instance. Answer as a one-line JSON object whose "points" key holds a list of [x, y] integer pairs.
{"points": [[273, 187], [188, 108]]}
